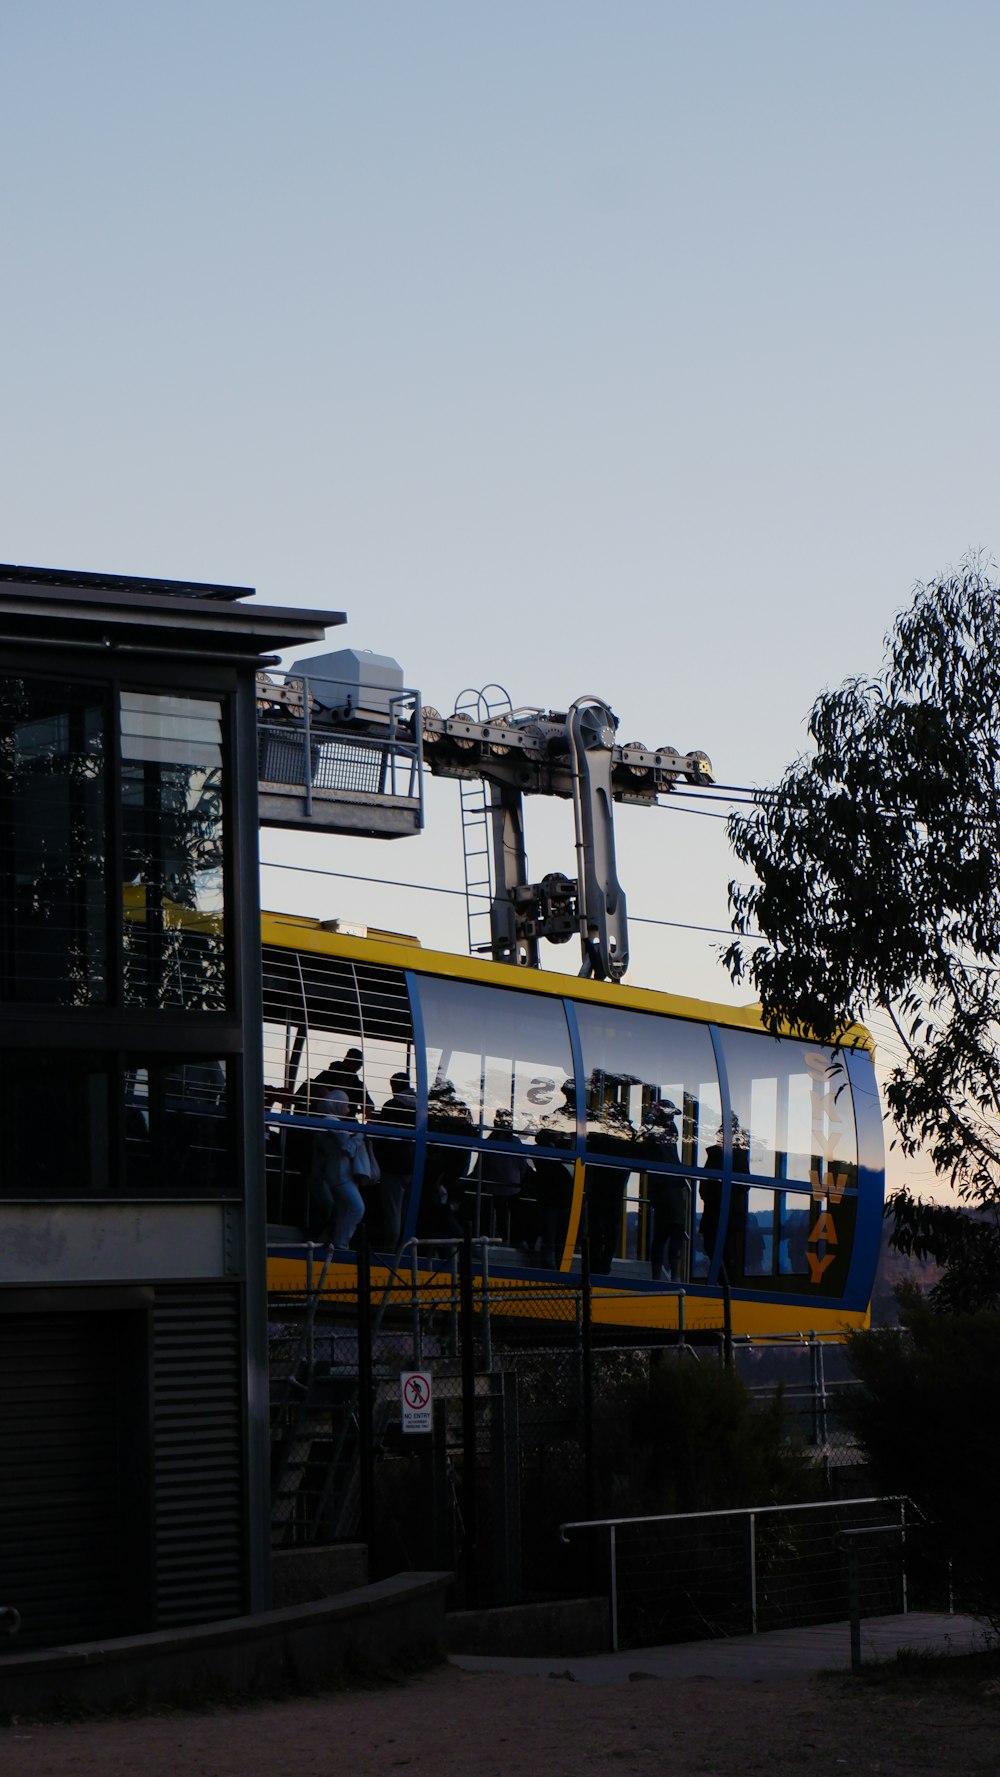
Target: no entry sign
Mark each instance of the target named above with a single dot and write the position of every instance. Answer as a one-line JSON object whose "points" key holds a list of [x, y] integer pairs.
{"points": [[416, 1400]]}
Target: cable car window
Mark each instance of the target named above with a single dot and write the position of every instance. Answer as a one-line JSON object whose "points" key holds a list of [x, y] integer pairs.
{"points": [[794, 1223], [496, 1059], [776, 1232], [758, 1232], [790, 1236], [329, 1023], [386, 1032], [635, 1063], [792, 1104]]}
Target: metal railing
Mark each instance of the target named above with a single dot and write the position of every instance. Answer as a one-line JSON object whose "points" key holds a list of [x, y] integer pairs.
{"points": [[850, 1542], [421, 1278], [786, 1578], [300, 751]]}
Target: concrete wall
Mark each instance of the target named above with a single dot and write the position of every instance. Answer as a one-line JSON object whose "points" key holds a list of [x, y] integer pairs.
{"points": [[567, 1626], [394, 1625], [302, 1576]]}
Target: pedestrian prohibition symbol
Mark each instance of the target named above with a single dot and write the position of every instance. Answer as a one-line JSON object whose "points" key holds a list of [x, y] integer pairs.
{"points": [[415, 1400]]}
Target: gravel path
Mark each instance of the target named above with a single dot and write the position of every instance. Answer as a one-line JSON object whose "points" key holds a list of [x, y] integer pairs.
{"points": [[499, 1725]]}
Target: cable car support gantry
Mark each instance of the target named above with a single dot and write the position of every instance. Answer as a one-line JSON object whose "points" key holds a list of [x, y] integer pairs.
{"points": [[512, 753], [339, 754]]}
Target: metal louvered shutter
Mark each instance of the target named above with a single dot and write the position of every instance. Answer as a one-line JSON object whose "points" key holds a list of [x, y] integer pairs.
{"points": [[198, 1542], [67, 1522]]}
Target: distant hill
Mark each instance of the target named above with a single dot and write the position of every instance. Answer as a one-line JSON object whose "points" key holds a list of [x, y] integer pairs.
{"points": [[894, 1269]]}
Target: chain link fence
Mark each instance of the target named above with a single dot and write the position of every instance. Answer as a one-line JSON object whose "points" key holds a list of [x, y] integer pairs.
{"points": [[529, 1423]]}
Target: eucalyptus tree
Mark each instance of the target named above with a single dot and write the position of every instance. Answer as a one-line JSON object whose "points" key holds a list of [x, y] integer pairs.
{"points": [[876, 861]]}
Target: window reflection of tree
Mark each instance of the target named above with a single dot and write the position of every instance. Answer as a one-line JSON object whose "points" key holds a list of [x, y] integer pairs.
{"points": [[52, 842], [173, 842], [54, 848]]}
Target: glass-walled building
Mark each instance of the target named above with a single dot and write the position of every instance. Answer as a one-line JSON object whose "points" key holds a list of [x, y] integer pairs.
{"points": [[133, 1363]]}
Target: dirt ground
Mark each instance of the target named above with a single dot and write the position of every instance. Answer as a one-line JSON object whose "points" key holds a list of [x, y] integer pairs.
{"points": [[497, 1725]]}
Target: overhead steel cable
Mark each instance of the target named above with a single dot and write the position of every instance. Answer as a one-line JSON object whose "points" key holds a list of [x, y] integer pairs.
{"points": [[434, 888]]}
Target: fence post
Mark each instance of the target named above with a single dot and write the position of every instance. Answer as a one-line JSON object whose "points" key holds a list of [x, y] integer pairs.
{"points": [[487, 1328], [442, 1499], [366, 1429], [854, 1604], [453, 1305], [752, 1524], [817, 1378], [307, 745], [310, 1321], [469, 1496], [505, 1470], [902, 1554], [418, 1337], [613, 1564], [586, 1300]]}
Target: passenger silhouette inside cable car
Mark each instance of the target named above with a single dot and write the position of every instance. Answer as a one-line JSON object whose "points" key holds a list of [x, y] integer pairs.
{"points": [[609, 1131], [395, 1160], [669, 1197], [503, 1177], [446, 1167], [339, 1076], [711, 1196], [544, 1234]]}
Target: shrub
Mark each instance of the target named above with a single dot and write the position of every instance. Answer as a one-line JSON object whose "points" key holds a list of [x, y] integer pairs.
{"points": [[928, 1416], [698, 1442]]}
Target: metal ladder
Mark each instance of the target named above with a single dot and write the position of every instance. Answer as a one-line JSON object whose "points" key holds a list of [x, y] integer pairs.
{"points": [[487, 705]]}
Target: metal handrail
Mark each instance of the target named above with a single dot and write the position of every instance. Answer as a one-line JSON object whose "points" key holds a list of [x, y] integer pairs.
{"points": [[750, 1513], [846, 1541], [810, 1505], [398, 744]]}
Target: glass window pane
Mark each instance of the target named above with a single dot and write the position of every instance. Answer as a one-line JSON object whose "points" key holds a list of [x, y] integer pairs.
{"points": [[498, 1058], [762, 1124], [707, 1208], [54, 1124], [390, 1081], [635, 1062], [171, 730], [797, 1220], [671, 1208], [318, 998], [177, 1130], [792, 1109], [386, 1032], [758, 1208], [172, 821], [53, 939], [332, 1024], [830, 1241], [605, 1188]]}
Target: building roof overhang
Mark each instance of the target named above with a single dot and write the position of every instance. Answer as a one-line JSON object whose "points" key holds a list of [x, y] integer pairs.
{"points": [[53, 605]]}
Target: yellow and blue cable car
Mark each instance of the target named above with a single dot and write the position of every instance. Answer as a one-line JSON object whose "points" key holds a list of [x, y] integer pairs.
{"points": [[703, 1155]]}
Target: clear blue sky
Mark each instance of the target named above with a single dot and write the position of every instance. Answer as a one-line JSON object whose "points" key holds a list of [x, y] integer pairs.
{"points": [[640, 349]]}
